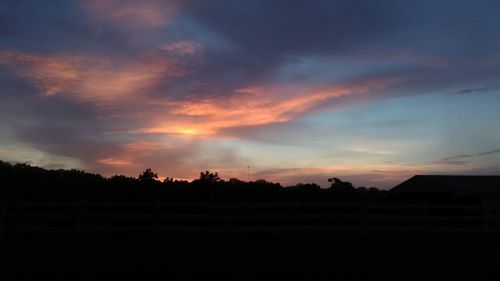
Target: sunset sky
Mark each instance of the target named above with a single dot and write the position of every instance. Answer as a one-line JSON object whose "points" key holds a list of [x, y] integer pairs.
{"points": [[368, 91]]}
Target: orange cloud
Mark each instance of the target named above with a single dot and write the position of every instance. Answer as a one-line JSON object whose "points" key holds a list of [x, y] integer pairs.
{"points": [[89, 78], [251, 106], [179, 157], [114, 162], [132, 82], [130, 149], [256, 106]]}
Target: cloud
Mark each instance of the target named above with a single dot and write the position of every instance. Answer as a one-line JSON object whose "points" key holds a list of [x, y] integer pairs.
{"points": [[253, 106], [486, 153], [296, 26], [184, 47], [180, 158], [116, 86], [477, 90], [452, 162], [16, 153], [90, 78], [461, 158]]}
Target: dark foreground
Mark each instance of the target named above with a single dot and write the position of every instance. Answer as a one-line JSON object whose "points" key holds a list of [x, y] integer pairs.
{"points": [[72, 225], [166, 241], [230, 257]]}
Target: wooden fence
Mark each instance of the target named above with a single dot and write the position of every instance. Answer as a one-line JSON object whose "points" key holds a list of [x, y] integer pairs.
{"points": [[173, 217]]}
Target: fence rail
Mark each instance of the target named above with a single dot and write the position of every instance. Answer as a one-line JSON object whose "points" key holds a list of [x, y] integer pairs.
{"points": [[164, 217]]}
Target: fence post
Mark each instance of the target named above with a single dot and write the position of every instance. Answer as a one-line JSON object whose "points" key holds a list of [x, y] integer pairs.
{"points": [[486, 219], [82, 213], [2, 218], [156, 219], [228, 217], [296, 214], [362, 228], [427, 219]]}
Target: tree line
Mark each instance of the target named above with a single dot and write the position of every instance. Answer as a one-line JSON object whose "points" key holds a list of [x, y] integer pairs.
{"points": [[25, 182]]}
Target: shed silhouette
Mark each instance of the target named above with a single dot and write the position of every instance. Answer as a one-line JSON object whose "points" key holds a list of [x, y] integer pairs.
{"points": [[485, 188]]}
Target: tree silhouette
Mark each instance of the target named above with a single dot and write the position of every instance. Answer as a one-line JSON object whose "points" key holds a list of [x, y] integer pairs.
{"points": [[148, 176], [305, 187], [209, 178], [168, 180], [341, 186]]}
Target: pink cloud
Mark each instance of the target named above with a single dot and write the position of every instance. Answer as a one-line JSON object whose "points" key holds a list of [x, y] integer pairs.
{"points": [[180, 158], [90, 78], [184, 47]]}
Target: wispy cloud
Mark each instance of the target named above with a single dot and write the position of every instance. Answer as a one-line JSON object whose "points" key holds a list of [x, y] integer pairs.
{"points": [[185, 47], [486, 153], [90, 78], [463, 159], [477, 90], [461, 156], [253, 106]]}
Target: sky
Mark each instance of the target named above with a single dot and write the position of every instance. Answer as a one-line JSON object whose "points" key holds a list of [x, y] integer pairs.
{"points": [[290, 91]]}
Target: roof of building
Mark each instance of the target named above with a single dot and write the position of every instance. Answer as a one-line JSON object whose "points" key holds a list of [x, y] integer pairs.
{"points": [[459, 185]]}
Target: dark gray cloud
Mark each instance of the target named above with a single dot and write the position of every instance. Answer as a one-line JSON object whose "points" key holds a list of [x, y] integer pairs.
{"points": [[58, 27], [270, 29], [56, 125], [461, 156], [462, 159], [491, 152], [477, 90], [263, 35], [266, 34]]}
